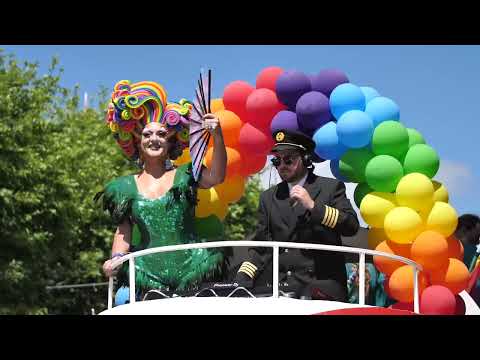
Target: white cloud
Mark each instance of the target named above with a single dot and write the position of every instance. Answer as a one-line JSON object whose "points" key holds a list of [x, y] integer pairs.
{"points": [[456, 177]]}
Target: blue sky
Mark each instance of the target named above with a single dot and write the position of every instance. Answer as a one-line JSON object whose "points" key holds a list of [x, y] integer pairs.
{"points": [[436, 87]]}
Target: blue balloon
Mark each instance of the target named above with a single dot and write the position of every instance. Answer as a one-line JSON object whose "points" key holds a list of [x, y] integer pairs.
{"points": [[327, 144], [355, 129], [382, 109], [346, 97], [369, 92], [122, 296], [334, 168]]}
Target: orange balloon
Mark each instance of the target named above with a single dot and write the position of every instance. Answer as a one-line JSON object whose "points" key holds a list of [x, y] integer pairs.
{"points": [[216, 105], [400, 284], [455, 276], [231, 125], [234, 161], [231, 190], [430, 249], [387, 265], [455, 248]]}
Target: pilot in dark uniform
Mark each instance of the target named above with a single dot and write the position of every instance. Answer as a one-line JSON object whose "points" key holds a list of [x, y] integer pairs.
{"points": [[302, 208]]}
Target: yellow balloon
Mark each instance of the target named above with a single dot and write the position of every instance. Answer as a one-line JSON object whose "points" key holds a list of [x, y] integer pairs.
{"points": [[207, 201], [441, 192], [183, 159], [375, 206], [216, 105], [221, 210], [442, 218], [415, 191], [231, 190], [375, 237], [403, 225]]}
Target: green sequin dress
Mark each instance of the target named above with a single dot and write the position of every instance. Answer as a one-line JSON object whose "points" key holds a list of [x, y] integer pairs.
{"points": [[166, 220]]}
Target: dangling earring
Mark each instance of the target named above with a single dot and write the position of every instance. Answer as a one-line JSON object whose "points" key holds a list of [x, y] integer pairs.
{"points": [[168, 164]]}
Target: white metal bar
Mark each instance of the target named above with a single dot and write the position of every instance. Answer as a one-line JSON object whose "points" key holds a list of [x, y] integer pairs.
{"points": [[416, 302], [74, 286], [110, 292], [361, 279], [275, 271], [269, 244], [131, 270]]}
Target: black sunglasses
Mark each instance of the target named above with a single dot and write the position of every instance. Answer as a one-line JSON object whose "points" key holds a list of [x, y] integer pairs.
{"points": [[287, 160]]}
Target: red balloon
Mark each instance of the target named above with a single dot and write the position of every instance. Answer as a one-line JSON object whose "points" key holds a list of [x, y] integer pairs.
{"points": [[262, 106], [267, 78], [437, 300], [253, 141], [385, 287], [402, 306], [235, 97], [252, 164], [460, 307]]}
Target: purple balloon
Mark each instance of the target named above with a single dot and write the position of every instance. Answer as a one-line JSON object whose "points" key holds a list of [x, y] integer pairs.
{"points": [[313, 111], [284, 120], [290, 86], [327, 80]]}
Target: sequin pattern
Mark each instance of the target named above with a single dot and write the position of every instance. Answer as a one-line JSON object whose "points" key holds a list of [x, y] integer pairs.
{"points": [[168, 220]]}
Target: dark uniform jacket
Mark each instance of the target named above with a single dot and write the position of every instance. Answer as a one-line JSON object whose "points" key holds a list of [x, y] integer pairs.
{"points": [[304, 272]]}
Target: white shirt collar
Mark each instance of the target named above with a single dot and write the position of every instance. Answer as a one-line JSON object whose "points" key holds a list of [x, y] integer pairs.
{"points": [[301, 182]]}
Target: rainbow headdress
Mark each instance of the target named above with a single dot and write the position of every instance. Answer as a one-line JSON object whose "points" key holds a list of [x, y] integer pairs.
{"points": [[133, 106]]}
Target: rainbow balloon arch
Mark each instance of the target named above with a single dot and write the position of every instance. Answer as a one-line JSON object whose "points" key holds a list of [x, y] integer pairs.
{"points": [[360, 132]]}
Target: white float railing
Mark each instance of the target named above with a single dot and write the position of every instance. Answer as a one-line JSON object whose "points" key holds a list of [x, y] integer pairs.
{"points": [[276, 245]]}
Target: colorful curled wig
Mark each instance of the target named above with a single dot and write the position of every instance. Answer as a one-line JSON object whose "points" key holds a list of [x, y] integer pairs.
{"points": [[133, 106]]}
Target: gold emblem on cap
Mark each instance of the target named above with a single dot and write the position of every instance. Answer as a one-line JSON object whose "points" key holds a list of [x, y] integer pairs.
{"points": [[280, 136]]}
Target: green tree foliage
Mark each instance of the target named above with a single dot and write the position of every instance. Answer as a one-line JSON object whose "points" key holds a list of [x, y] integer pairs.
{"points": [[54, 157], [242, 216]]}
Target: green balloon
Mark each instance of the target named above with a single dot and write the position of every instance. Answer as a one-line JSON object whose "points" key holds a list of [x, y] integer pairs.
{"points": [[383, 173], [352, 164], [361, 190], [423, 159], [414, 137], [209, 228], [390, 138]]}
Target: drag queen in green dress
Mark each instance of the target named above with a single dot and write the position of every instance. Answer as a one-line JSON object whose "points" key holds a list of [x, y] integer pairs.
{"points": [[161, 198]]}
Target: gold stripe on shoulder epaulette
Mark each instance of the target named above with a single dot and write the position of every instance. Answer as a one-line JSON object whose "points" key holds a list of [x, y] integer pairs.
{"points": [[328, 210], [325, 217], [330, 218], [250, 264], [248, 268], [334, 223]]}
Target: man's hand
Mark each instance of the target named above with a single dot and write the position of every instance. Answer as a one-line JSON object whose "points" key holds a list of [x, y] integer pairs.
{"points": [[300, 195]]}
